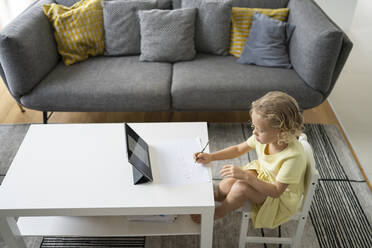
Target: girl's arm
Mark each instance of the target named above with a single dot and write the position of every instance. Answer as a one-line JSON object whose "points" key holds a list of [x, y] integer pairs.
{"points": [[274, 190], [227, 153], [267, 189], [231, 152]]}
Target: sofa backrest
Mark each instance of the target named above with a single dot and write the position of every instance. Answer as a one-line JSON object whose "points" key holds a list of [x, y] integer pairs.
{"points": [[270, 4], [161, 4], [67, 3], [267, 4]]}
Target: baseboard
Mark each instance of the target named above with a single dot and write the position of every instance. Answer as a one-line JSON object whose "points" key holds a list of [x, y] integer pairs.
{"points": [[350, 144]]}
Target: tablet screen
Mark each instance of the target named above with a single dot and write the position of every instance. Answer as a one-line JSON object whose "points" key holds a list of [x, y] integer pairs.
{"points": [[138, 152]]}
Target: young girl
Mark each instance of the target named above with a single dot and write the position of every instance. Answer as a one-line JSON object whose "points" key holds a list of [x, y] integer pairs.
{"points": [[274, 182]]}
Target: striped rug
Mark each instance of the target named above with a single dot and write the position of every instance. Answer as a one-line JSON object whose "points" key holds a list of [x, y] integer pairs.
{"points": [[336, 213], [73, 242], [340, 214]]}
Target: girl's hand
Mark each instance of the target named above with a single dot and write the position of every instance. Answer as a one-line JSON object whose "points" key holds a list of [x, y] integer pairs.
{"points": [[233, 171], [203, 158]]}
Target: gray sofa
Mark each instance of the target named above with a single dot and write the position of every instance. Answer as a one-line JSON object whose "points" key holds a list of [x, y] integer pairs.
{"points": [[36, 77]]}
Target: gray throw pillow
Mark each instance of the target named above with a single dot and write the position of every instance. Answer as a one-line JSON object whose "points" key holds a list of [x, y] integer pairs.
{"points": [[121, 25], [167, 35], [267, 43], [212, 25]]}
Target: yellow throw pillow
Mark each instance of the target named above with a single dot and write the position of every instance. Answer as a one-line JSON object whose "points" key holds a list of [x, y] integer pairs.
{"points": [[241, 19], [78, 29]]}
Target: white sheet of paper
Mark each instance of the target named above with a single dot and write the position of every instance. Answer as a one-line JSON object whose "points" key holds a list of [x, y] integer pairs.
{"points": [[176, 163]]}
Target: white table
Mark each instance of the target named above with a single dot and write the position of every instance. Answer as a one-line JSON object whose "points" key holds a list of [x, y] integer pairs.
{"points": [[75, 180]]}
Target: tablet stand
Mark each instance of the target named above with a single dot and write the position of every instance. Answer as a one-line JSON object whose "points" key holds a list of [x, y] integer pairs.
{"points": [[138, 177]]}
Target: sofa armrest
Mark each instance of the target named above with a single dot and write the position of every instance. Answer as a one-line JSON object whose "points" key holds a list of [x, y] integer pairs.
{"points": [[28, 50], [318, 48]]}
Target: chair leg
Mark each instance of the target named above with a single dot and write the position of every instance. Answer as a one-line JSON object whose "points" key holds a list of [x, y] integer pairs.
{"points": [[299, 230], [243, 229], [21, 108]]}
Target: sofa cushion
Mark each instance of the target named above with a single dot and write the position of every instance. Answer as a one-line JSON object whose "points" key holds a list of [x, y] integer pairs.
{"points": [[104, 84], [212, 33], [122, 27], [167, 35], [78, 29], [267, 43], [218, 83], [241, 25], [28, 50]]}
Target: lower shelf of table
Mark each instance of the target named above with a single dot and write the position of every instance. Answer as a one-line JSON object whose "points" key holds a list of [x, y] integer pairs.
{"points": [[103, 226]]}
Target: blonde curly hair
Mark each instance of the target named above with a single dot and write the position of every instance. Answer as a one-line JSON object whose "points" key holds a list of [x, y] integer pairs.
{"points": [[281, 111]]}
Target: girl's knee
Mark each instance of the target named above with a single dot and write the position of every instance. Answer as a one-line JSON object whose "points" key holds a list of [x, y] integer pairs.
{"points": [[241, 188]]}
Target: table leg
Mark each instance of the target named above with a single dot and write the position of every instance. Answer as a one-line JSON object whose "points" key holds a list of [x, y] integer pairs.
{"points": [[206, 235], [10, 233]]}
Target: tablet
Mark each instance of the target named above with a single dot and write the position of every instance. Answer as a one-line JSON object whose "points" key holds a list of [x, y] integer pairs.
{"points": [[138, 156]]}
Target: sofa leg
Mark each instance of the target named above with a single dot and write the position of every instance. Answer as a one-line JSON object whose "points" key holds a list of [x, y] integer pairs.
{"points": [[46, 116], [21, 108]]}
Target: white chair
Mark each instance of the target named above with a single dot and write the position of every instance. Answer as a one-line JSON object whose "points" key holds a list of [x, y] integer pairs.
{"points": [[311, 182]]}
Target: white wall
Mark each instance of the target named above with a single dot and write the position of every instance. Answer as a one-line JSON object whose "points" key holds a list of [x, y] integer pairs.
{"points": [[9, 9], [351, 98], [340, 11]]}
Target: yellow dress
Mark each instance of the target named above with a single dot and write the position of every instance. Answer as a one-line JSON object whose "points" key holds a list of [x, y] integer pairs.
{"points": [[287, 166]]}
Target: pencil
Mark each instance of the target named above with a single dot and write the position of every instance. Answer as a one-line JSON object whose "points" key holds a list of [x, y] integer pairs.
{"points": [[202, 150]]}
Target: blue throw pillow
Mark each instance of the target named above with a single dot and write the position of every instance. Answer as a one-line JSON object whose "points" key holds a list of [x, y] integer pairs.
{"points": [[267, 43]]}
